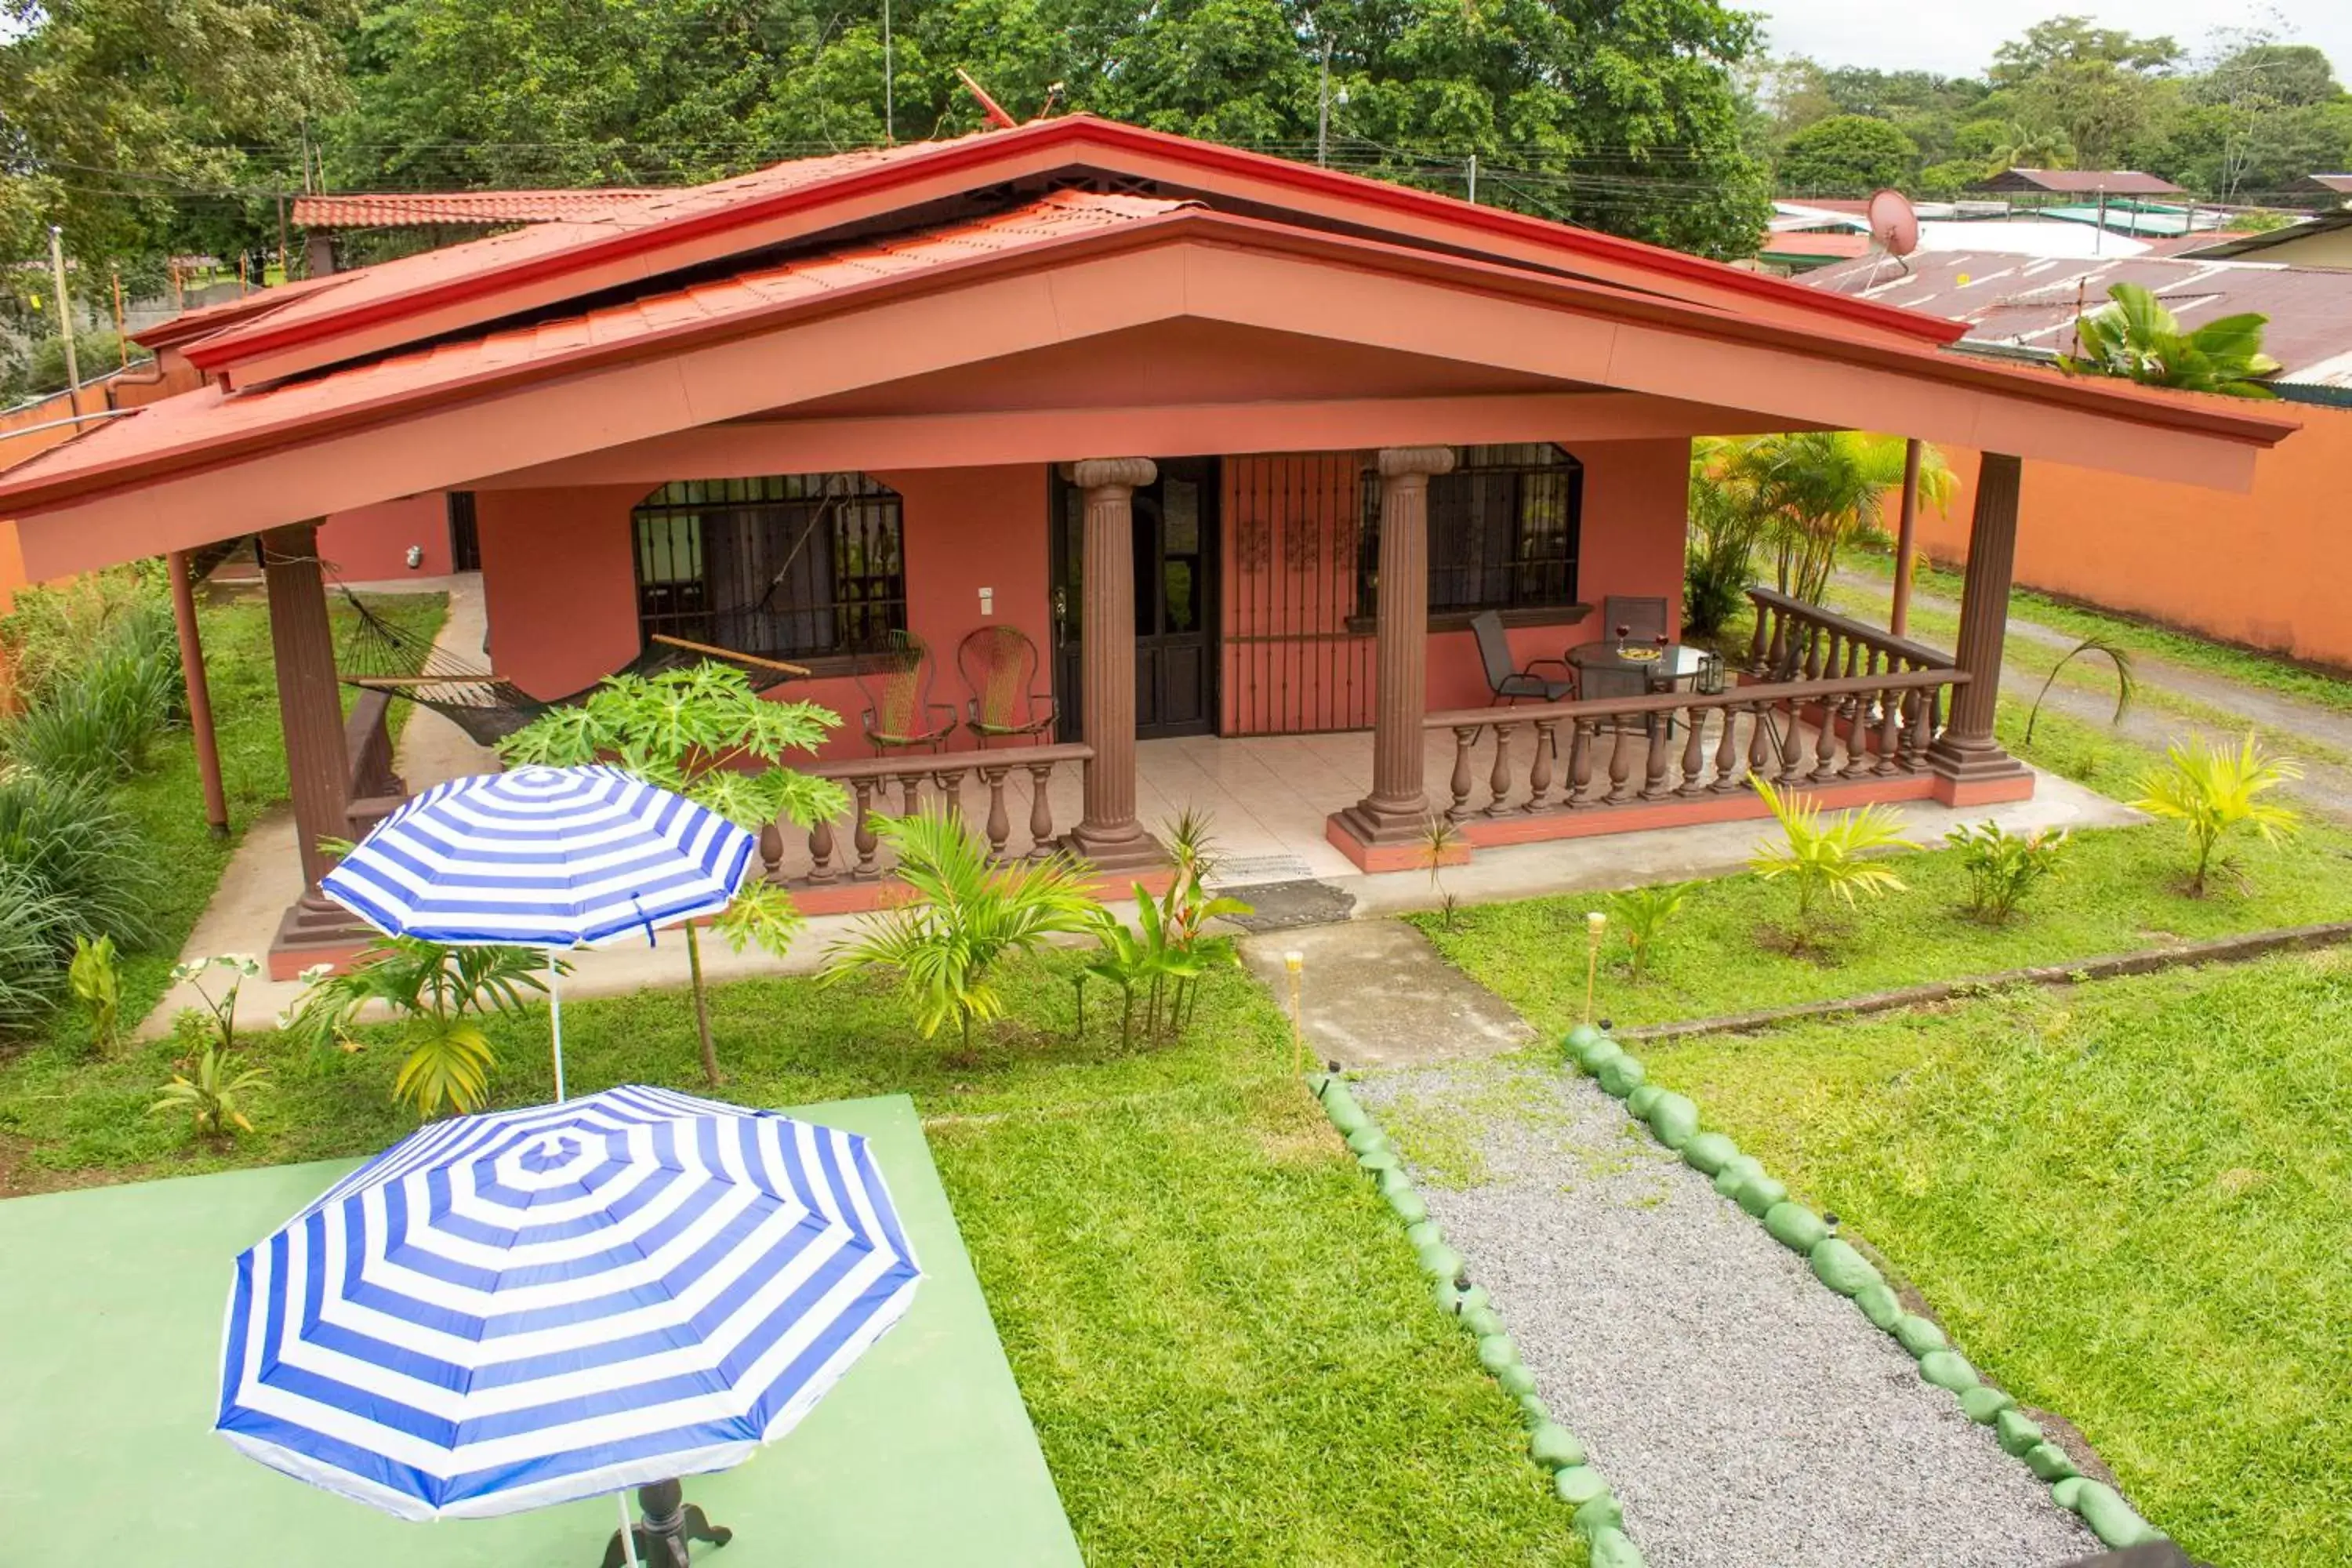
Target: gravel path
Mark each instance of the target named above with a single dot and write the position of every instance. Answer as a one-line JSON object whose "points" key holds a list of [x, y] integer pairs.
{"points": [[1746, 1417]]}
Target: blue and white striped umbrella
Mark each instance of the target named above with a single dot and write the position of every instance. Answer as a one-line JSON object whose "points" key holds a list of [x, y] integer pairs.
{"points": [[542, 858], [505, 1311], [551, 857]]}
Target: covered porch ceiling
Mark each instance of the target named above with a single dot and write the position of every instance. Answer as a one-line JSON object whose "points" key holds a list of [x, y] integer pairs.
{"points": [[1076, 327]]}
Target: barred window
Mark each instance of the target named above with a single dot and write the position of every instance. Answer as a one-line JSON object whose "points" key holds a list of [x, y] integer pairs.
{"points": [[788, 566], [1503, 531]]}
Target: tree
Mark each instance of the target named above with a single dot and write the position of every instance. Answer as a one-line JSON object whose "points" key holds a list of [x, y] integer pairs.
{"points": [[1846, 155], [2064, 41], [1813, 492], [2104, 88], [2135, 337], [2013, 144], [703, 733]]}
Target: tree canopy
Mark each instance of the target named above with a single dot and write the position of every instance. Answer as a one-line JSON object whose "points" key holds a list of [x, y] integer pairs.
{"points": [[1847, 155]]}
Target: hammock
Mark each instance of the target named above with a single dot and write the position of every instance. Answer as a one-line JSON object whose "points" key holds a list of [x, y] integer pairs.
{"points": [[383, 656]]}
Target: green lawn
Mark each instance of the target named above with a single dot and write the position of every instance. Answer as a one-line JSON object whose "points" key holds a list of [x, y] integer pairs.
{"points": [[2128, 1203], [1224, 1341], [2120, 891]]}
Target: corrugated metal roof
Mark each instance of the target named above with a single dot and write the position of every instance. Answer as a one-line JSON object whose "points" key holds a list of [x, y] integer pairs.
{"points": [[2012, 301], [2081, 182], [392, 209], [2340, 184]]}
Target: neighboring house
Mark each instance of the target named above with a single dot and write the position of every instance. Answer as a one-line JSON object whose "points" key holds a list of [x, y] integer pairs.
{"points": [[2265, 568], [1241, 447], [2324, 239]]}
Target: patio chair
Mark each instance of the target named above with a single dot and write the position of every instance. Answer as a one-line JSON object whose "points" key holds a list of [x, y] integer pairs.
{"points": [[1508, 684], [897, 686], [1644, 616], [999, 665]]}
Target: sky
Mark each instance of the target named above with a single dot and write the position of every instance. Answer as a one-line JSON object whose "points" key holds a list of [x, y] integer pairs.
{"points": [[1957, 38]]}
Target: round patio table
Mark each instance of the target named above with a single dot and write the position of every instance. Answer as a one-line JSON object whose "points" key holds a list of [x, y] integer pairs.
{"points": [[1676, 663]]}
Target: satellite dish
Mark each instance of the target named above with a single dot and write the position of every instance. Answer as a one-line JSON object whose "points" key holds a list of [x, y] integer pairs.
{"points": [[1893, 226]]}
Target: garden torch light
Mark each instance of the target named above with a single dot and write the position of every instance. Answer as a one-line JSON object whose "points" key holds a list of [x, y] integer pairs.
{"points": [[1595, 925], [1296, 963]]}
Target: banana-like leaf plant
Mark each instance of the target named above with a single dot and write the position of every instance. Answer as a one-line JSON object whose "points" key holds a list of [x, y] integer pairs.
{"points": [[2135, 337]]}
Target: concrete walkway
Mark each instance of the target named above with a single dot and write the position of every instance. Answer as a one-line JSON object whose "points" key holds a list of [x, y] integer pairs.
{"points": [[2326, 783], [1745, 1416]]}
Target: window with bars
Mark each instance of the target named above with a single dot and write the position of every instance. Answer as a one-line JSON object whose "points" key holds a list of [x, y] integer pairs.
{"points": [[788, 566], [1503, 531]]}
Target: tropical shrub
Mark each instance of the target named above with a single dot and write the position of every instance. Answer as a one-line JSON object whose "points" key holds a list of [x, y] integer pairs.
{"points": [[98, 719], [703, 731], [68, 835], [1644, 914], [2214, 791], [964, 915], [96, 982], [1826, 860], [1816, 492], [440, 995], [1718, 551], [2003, 867], [214, 1092], [1438, 840], [35, 928], [215, 1023], [54, 630], [1161, 960], [2135, 337]]}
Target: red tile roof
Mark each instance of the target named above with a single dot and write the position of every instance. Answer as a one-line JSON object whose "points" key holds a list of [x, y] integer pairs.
{"points": [[392, 209], [2083, 182]]}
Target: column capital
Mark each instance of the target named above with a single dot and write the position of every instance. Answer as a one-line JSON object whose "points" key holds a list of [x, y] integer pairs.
{"points": [[1398, 461], [1102, 473]]}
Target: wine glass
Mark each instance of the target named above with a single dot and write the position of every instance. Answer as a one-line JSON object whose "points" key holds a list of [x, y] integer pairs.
{"points": [[1623, 633]]}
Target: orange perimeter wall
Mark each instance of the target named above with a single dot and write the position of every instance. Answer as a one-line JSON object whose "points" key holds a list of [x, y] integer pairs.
{"points": [[2269, 569]]}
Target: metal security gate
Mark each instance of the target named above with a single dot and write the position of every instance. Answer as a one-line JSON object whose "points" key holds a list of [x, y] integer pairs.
{"points": [[1298, 655]]}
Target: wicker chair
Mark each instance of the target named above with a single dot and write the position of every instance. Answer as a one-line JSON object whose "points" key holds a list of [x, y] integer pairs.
{"points": [[999, 665], [897, 686]]}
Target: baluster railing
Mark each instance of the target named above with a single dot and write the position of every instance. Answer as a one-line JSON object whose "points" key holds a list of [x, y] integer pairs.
{"points": [[936, 781]]}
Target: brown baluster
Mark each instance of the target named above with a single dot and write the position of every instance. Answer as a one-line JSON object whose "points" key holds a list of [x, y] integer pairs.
{"points": [[1539, 773], [1858, 759], [1776, 657], [1763, 746], [948, 784], [862, 836], [1655, 749], [820, 842], [1757, 638], [1000, 821], [1621, 763], [1814, 635], [1890, 733], [1825, 744], [1498, 777], [1041, 809], [1464, 737], [772, 852], [911, 793], [1579, 762], [1694, 752], [1792, 743], [1918, 727], [1726, 754]]}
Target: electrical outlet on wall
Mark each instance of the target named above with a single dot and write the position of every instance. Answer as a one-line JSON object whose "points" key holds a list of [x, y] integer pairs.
{"points": [[988, 600]]}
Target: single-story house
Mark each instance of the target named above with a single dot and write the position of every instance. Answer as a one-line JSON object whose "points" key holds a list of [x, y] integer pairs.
{"points": [[1240, 447]]}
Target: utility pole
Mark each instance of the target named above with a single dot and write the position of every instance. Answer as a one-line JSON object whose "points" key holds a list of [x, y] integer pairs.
{"points": [[285, 271], [1474, 179], [121, 343], [65, 314], [889, 84], [1323, 107]]}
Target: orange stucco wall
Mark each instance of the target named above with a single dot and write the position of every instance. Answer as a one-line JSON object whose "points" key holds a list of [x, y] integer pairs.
{"points": [[369, 544], [561, 588], [2267, 568]]}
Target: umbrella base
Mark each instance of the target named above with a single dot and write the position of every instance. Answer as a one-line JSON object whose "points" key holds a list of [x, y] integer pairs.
{"points": [[670, 1523]]}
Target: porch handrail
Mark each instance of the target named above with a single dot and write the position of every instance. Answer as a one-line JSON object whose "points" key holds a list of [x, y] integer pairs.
{"points": [[1792, 635], [921, 777], [1644, 750]]}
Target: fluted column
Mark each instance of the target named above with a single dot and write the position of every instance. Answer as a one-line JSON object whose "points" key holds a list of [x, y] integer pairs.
{"points": [[1966, 753], [1107, 833], [1397, 807]]}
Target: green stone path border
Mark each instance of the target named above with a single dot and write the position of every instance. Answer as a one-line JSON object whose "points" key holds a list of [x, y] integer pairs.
{"points": [[1673, 1121], [112, 1321], [1599, 1517]]}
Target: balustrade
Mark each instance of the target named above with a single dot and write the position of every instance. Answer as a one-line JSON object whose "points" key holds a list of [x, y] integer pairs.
{"points": [[850, 849]]}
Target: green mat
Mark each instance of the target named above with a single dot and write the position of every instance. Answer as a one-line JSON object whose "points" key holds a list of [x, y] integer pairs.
{"points": [[109, 1336]]}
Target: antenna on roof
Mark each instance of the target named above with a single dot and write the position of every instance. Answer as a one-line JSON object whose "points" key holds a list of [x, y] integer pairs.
{"points": [[988, 106], [1893, 231]]}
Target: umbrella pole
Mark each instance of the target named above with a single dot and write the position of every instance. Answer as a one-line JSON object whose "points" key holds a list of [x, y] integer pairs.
{"points": [[555, 1016], [628, 1534]]}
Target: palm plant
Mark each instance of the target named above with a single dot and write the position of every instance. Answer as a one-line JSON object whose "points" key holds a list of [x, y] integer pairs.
{"points": [[1719, 550], [2135, 337], [214, 1092], [2114, 653], [1826, 859], [1644, 914], [2025, 146], [702, 731], [2214, 791], [1818, 491], [441, 994], [1437, 841], [965, 915]]}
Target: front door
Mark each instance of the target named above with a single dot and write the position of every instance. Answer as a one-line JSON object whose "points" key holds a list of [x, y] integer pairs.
{"points": [[1176, 530]]}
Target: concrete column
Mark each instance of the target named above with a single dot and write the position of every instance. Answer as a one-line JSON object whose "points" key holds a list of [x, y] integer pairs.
{"points": [[1397, 807], [1969, 762], [1107, 834]]}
